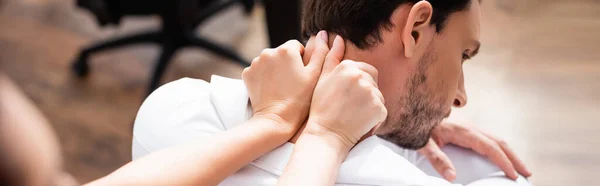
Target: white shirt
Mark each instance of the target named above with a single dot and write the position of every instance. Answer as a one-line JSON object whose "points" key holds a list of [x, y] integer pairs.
{"points": [[189, 109]]}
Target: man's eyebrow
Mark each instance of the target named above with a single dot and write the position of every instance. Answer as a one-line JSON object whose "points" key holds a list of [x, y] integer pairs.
{"points": [[474, 53]]}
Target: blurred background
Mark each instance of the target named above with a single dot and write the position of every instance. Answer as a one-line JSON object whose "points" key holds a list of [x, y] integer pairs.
{"points": [[535, 82]]}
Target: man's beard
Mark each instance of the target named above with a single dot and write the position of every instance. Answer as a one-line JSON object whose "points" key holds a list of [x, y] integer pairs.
{"points": [[419, 111]]}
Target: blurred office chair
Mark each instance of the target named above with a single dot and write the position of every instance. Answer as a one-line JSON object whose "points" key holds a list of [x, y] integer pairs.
{"points": [[179, 20]]}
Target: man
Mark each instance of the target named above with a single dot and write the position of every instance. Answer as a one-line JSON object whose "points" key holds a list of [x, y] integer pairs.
{"points": [[419, 56], [417, 47]]}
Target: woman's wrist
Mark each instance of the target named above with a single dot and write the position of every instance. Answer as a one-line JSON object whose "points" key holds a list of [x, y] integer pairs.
{"points": [[276, 125], [332, 144], [328, 136], [317, 156]]}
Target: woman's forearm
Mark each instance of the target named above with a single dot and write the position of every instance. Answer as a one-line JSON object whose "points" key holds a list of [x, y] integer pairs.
{"points": [[204, 161], [315, 161]]}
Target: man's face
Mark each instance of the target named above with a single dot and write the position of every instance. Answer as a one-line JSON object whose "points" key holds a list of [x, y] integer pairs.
{"points": [[419, 91]]}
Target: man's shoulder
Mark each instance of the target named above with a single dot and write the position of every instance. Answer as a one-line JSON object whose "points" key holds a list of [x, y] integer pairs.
{"points": [[179, 90], [368, 163], [371, 162], [186, 91], [186, 109], [175, 94]]}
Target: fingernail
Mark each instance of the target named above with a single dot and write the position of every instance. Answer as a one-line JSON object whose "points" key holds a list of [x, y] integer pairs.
{"points": [[528, 172], [324, 36], [337, 37], [515, 176], [449, 174]]}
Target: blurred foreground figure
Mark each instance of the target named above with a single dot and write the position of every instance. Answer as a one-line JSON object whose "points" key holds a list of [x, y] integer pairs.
{"points": [[29, 150]]}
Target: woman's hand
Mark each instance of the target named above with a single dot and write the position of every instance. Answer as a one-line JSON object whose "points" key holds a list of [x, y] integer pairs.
{"points": [[347, 102], [280, 85], [346, 105]]}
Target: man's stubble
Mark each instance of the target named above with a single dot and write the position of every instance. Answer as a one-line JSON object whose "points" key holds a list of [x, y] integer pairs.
{"points": [[418, 112]]}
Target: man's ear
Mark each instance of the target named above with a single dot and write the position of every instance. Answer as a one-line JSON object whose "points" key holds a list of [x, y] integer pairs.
{"points": [[418, 21]]}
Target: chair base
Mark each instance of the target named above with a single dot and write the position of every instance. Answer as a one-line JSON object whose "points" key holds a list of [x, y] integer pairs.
{"points": [[169, 46], [173, 36]]}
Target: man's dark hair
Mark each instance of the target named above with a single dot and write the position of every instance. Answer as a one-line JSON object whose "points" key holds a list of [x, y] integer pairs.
{"points": [[361, 21]]}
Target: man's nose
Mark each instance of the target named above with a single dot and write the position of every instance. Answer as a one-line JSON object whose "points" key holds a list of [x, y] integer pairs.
{"points": [[461, 95]]}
